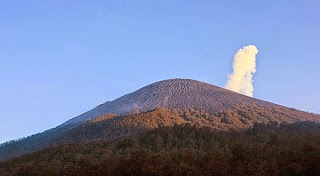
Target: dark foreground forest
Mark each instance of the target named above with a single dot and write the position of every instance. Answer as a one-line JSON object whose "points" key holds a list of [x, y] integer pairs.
{"points": [[292, 149]]}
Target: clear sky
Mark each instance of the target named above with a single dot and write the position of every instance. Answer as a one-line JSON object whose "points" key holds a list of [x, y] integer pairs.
{"points": [[59, 59]]}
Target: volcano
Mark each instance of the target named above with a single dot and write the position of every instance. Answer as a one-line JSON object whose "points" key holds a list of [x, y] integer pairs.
{"points": [[161, 104], [173, 94]]}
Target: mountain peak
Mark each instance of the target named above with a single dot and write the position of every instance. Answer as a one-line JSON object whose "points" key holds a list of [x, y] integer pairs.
{"points": [[173, 94]]}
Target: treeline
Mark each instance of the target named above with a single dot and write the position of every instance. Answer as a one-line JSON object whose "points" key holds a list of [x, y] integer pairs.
{"points": [[288, 149], [111, 126]]}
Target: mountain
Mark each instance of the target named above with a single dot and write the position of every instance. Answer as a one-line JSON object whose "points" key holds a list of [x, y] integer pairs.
{"points": [[165, 103], [173, 94]]}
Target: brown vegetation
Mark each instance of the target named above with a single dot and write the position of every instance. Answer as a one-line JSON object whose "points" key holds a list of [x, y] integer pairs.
{"points": [[240, 118], [292, 149], [111, 126]]}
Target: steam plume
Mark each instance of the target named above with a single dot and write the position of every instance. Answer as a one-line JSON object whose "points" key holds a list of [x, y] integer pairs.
{"points": [[244, 66]]}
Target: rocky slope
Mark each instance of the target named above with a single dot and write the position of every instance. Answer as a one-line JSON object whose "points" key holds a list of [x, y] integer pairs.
{"points": [[173, 94]]}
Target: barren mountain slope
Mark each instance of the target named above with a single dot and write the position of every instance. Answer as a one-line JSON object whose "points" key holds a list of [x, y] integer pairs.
{"points": [[173, 94]]}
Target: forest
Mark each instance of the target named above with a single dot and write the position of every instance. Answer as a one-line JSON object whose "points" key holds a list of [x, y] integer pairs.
{"points": [[264, 149], [113, 126]]}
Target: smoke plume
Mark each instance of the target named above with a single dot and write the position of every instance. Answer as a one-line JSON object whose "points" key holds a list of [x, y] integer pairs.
{"points": [[244, 66]]}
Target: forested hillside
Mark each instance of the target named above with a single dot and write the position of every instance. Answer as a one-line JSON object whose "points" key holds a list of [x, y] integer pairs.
{"points": [[32, 143], [292, 149], [111, 126]]}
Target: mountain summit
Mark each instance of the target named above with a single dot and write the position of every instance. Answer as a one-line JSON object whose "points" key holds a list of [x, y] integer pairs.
{"points": [[173, 94]]}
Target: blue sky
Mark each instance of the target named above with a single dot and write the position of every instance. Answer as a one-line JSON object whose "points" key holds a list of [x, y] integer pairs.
{"points": [[59, 59]]}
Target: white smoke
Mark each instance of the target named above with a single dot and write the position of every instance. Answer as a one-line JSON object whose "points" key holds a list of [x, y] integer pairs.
{"points": [[244, 66]]}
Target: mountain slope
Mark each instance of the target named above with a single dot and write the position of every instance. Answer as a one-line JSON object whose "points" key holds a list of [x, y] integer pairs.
{"points": [[177, 101], [173, 94], [183, 150], [239, 118], [33, 143]]}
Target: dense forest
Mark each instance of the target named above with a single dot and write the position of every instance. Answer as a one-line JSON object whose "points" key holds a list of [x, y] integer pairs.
{"points": [[32, 143], [112, 126], [272, 149]]}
